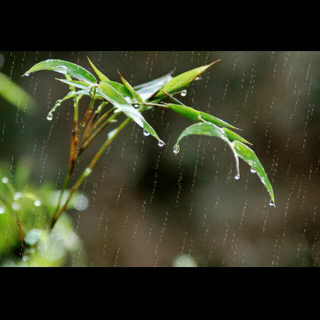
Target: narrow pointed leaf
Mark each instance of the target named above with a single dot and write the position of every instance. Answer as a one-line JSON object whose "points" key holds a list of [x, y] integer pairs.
{"points": [[77, 84], [120, 88], [134, 93], [182, 81], [249, 156], [100, 75], [147, 90], [115, 98], [232, 136], [196, 115], [64, 67], [211, 130]]}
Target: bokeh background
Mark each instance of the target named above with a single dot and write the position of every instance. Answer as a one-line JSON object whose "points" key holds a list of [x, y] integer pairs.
{"points": [[149, 207]]}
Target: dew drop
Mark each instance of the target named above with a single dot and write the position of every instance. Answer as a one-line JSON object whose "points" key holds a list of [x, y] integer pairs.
{"points": [[37, 203], [5, 180], [253, 171], [87, 172], [183, 93], [16, 206], [161, 144], [146, 133], [50, 117], [176, 149], [272, 204], [61, 69], [2, 210], [237, 177], [27, 74], [17, 196]]}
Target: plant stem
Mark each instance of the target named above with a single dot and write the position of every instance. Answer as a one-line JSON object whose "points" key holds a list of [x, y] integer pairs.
{"points": [[88, 170], [97, 132], [73, 150]]}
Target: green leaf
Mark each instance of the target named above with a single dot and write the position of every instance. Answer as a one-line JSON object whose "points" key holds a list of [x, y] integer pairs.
{"points": [[196, 115], [64, 67], [249, 156], [147, 90], [134, 94], [232, 136], [120, 88], [116, 99], [211, 130], [100, 75], [78, 84], [15, 95], [182, 81]]}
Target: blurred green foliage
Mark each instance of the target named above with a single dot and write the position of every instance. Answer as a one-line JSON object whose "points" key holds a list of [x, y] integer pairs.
{"points": [[35, 206]]}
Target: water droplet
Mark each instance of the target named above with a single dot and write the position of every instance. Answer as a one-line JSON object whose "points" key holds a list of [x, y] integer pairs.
{"points": [[81, 202], [176, 149], [25, 258], [87, 172], [37, 203], [5, 180], [183, 93], [27, 74], [253, 171], [161, 144], [272, 204], [50, 117], [146, 133], [61, 69], [17, 196], [16, 206], [198, 78], [2, 210], [237, 177]]}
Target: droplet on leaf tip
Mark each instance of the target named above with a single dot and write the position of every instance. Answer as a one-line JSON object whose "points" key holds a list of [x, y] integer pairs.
{"points": [[161, 144], [146, 133], [176, 149], [237, 177], [50, 117], [253, 171]]}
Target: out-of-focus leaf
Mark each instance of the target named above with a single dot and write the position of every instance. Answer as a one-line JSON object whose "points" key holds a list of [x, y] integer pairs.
{"points": [[211, 130], [116, 99], [249, 156], [182, 81], [64, 67], [23, 172], [147, 90], [15, 95], [196, 115], [100, 75]]}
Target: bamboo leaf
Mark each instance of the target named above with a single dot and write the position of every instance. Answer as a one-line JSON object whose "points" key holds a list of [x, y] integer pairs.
{"points": [[116, 99], [232, 136], [197, 116], [100, 75], [134, 93], [211, 130], [182, 81], [147, 90], [64, 67], [249, 156]]}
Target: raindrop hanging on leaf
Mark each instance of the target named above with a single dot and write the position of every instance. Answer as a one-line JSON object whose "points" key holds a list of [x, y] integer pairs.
{"points": [[161, 144], [176, 149]]}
